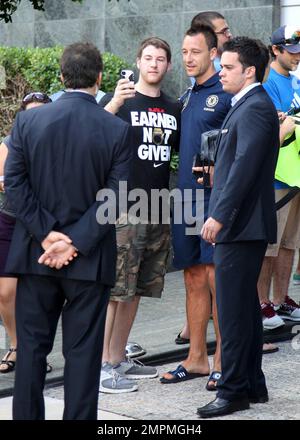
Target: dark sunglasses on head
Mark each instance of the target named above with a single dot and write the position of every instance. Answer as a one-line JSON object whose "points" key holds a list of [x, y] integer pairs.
{"points": [[294, 40], [36, 97]]}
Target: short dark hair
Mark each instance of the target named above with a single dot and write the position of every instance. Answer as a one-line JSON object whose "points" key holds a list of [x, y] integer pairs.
{"points": [[209, 34], [157, 42], [206, 18], [80, 65], [264, 50], [250, 53]]}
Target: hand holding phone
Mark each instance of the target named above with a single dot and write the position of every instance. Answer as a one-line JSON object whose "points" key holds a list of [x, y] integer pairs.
{"points": [[127, 74], [204, 173], [125, 89], [197, 162]]}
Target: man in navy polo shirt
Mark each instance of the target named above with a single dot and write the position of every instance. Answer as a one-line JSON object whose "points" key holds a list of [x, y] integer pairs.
{"points": [[205, 106]]}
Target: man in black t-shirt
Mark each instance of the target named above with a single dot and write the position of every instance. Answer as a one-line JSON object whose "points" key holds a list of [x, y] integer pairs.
{"points": [[143, 247]]}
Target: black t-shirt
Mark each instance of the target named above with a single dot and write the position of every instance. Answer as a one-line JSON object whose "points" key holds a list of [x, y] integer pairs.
{"points": [[155, 126]]}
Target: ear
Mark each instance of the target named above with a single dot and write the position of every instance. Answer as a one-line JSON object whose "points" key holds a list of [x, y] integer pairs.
{"points": [[61, 78], [275, 50], [138, 63], [213, 53], [251, 72], [169, 66], [99, 79]]}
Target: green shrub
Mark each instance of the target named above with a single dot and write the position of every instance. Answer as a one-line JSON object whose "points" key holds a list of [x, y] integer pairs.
{"points": [[29, 69], [174, 161], [112, 66]]}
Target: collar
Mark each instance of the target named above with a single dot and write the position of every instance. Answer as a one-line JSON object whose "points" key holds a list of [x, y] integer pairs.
{"points": [[78, 94], [243, 92], [208, 83]]}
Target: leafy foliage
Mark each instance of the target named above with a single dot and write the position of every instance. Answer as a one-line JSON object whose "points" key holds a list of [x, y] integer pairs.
{"points": [[174, 161], [37, 69], [112, 66]]}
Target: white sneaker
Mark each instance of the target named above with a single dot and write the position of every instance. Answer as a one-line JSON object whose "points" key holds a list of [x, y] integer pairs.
{"points": [[135, 370], [270, 318], [112, 383]]}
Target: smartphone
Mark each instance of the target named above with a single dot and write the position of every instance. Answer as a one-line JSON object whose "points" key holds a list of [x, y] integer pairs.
{"points": [[127, 74], [292, 111], [197, 162]]}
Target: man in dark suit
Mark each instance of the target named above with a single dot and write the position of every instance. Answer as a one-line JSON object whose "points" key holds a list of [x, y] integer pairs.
{"points": [[242, 221], [62, 154]]}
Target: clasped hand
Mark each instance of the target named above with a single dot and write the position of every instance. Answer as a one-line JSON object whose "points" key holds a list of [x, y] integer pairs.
{"points": [[59, 250]]}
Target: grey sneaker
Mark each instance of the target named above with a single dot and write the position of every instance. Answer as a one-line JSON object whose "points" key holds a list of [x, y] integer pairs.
{"points": [[133, 349], [135, 370], [112, 383]]}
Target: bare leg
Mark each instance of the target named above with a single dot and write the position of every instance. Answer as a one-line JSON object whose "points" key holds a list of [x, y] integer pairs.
{"points": [[109, 324], [282, 274], [7, 311], [198, 312], [126, 312], [185, 332], [265, 278], [298, 265]]}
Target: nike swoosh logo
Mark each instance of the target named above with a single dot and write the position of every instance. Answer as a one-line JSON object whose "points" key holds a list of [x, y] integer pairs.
{"points": [[157, 165]]}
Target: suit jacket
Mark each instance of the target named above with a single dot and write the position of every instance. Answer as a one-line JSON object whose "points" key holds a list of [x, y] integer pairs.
{"points": [[62, 154], [242, 197]]}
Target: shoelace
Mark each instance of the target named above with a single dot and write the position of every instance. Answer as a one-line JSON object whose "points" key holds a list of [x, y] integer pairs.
{"points": [[115, 377], [135, 362]]}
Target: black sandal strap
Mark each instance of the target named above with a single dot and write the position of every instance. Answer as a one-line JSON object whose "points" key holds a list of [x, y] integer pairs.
{"points": [[9, 363]]}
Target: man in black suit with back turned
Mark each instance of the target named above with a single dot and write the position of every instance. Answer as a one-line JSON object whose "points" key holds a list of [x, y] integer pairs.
{"points": [[62, 154], [242, 221]]}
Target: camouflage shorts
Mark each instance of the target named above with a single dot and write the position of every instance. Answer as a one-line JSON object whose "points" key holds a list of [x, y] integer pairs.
{"points": [[142, 260]]}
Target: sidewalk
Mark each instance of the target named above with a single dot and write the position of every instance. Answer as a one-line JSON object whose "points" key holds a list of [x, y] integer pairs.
{"points": [[154, 401], [158, 323], [54, 410]]}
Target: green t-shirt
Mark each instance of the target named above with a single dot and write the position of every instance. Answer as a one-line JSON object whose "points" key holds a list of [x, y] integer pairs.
{"points": [[288, 164]]}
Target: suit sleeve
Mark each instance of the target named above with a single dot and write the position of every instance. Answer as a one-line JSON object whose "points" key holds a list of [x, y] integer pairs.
{"points": [[254, 138], [87, 232], [36, 219]]}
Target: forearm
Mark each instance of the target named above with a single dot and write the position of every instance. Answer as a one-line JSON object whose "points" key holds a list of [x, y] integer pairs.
{"points": [[112, 107], [3, 156]]}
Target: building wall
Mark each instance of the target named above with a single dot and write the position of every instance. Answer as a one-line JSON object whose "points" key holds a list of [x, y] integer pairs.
{"points": [[119, 26], [290, 12]]}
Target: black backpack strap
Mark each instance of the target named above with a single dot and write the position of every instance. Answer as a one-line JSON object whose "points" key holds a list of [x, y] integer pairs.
{"points": [[289, 196]]}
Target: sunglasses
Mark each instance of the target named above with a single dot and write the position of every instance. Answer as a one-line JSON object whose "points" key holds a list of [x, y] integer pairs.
{"points": [[36, 97], [294, 40]]}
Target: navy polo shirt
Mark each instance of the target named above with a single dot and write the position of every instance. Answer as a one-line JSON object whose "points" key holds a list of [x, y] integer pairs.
{"points": [[204, 108]]}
